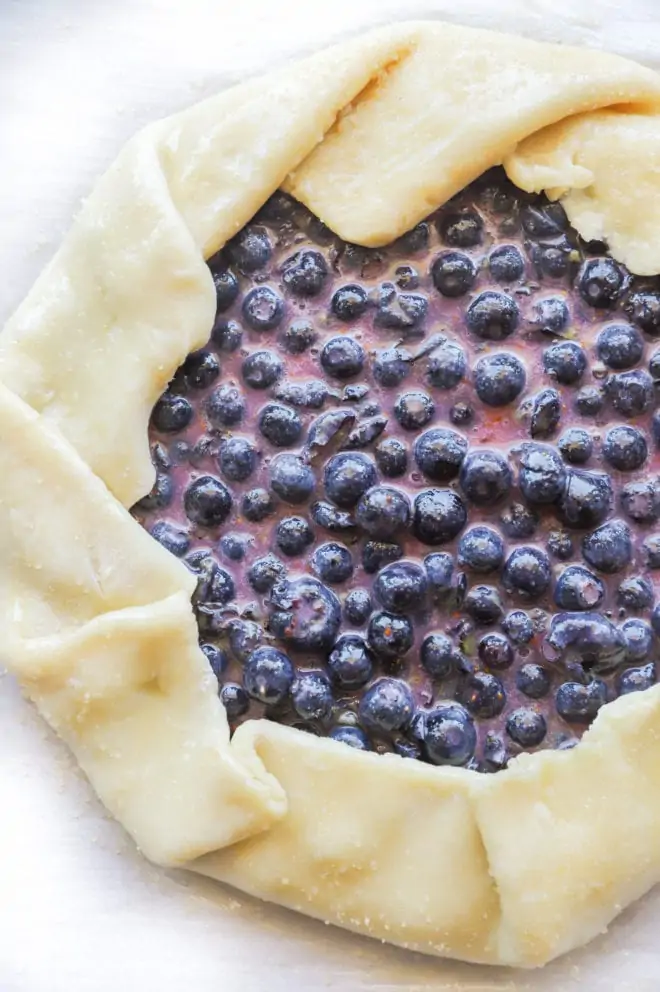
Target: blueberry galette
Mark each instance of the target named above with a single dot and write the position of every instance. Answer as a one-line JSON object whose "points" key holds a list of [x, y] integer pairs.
{"points": [[330, 490]]}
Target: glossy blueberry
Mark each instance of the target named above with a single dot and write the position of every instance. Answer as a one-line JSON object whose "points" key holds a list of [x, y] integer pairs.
{"points": [[298, 337], [237, 459], [620, 346], [634, 593], [199, 370], [481, 549], [389, 636], [350, 662], [651, 552], [226, 286], [565, 361], [235, 700], [450, 737], [264, 572], [545, 413], [175, 540], [349, 302], [461, 228], [542, 473], [357, 606], [577, 703], [453, 273], [609, 547], [227, 335], [261, 369], [439, 566], [461, 414], [391, 457], [518, 521], [625, 448], [631, 393], [280, 425], [376, 554], [527, 572], [636, 679], [399, 311], [304, 273], [250, 249], [347, 476], [225, 407], [544, 220], [492, 316], [495, 651], [485, 477], [401, 587], [311, 696], [342, 357], [291, 478], [551, 315], [506, 264], [533, 680], [332, 562], [415, 240], [327, 515], [391, 366], [576, 445], [207, 502], [494, 753], [439, 515], [305, 613], [643, 308], [263, 308], [234, 546], [601, 281], [244, 637], [590, 639], [638, 636], [552, 260], [560, 545], [214, 584], [578, 589], [439, 453], [439, 655], [586, 500], [387, 706], [484, 605], [256, 505], [413, 410], [518, 626], [268, 675], [640, 500], [447, 365], [499, 378], [526, 727], [171, 414], [589, 401], [293, 536], [352, 736], [483, 695], [217, 659]]}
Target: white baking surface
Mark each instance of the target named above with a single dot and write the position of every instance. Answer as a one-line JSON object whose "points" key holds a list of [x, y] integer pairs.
{"points": [[79, 908]]}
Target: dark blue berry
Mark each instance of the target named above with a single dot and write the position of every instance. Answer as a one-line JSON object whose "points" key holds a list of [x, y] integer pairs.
{"points": [[461, 228], [264, 572], [586, 500], [589, 401], [576, 445], [234, 546], [609, 547], [401, 587], [349, 302], [391, 366], [439, 515], [631, 393], [342, 357], [413, 410], [565, 361], [357, 606], [256, 505], [376, 554], [216, 658], [552, 260], [634, 593], [328, 430], [226, 285], [447, 365], [484, 605], [332, 562], [439, 655], [544, 220], [638, 636], [237, 459], [207, 502], [399, 311], [578, 589], [280, 425], [214, 584], [577, 703], [305, 613], [526, 727], [330, 518], [352, 736], [636, 679], [492, 316], [483, 695], [643, 308], [518, 626], [640, 500], [391, 457], [620, 346], [450, 737], [225, 406], [453, 273], [518, 521], [625, 448], [551, 315], [171, 414], [268, 675], [542, 473], [481, 549], [485, 477], [227, 335], [291, 478], [587, 638], [350, 662], [261, 369], [560, 545], [506, 264], [651, 551], [545, 413], [199, 370], [527, 572], [601, 281], [495, 651], [250, 249], [387, 706], [439, 453], [298, 337], [389, 636], [382, 511], [311, 696], [347, 476], [533, 680], [499, 378], [304, 273], [439, 567], [235, 700], [293, 536], [176, 541], [263, 308], [244, 637]]}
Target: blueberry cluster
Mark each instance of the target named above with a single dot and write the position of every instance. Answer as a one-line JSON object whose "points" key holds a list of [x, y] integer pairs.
{"points": [[417, 485]]}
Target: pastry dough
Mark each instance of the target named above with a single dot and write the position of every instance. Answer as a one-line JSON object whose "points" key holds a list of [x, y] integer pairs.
{"points": [[372, 135]]}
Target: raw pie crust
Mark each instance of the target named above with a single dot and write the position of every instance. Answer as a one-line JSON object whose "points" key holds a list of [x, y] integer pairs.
{"points": [[371, 135]]}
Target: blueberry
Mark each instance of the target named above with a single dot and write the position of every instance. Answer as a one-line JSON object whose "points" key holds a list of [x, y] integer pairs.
{"points": [[304, 273], [481, 549], [461, 228], [389, 636], [518, 521], [654, 366], [352, 736], [544, 220], [235, 700], [625, 448], [237, 459], [589, 401], [261, 369], [342, 357], [225, 406], [449, 735], [655, 619], [280, 425], [244, 637], [171, 414], [391, 457], [264, 572], [291, 478], [586, 499], [226, 286], [552, 260], [207, 502], [576, 445], [407, 749], [330, 518], [399, 311], [643, 308], [350, 662], [461, 414], [214, 584], [635, 593], [518, 626], [542, 473], [293, 536], [332, 562], [565, 361], [217, 659], [533, 681], [199, 370], [387, 706], [415, 240], [349, 302], [173, 539], [609, 547], [234, 546], [391, 366], [347, 477], [227, 335], [506, 264], [268, 675], [651, 552], [439, 515], [640, 500], [483, 695], [376, 554], [298, 337], [263, 308], [636, 679], [499, 378], [439, 453], [305, 613], [357, 606], [484, 605], [631, 393], [560, 545], [545, 413], [382, 511], [527, 572], [438, 655], [485, 477], [577, 703], [587, 638], [551, 315], [601, 281], [447, 365], [257, 504], [495, 651], [453, 273], [620, 346], [578, 589], [439, 566], [354, 392], [311, 696], [401, 587], [526, 727], [413, 410], [495, 753], [250, 249], [492, 316], [638, 636], [328, 431]]}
